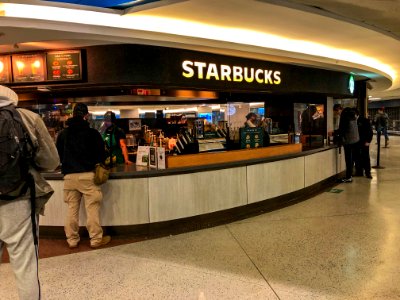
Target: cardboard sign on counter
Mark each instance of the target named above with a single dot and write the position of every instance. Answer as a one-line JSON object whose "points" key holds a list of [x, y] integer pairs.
{"points": [[157, 157], [142, 157], [160, 158]]}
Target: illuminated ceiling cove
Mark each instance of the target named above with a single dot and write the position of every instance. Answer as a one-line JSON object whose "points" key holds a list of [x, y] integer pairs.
{"points": [[332, 34], [115, 4]]}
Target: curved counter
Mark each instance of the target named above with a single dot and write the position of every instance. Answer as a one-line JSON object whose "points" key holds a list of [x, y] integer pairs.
{"points": [[139, 196]]}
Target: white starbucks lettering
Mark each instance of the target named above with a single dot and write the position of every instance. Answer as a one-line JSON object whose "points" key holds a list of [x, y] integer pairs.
{"points": [[212, 71]]}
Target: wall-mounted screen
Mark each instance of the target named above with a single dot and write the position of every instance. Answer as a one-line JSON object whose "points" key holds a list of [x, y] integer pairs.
{"points": [[5, 69], [64, 65], [28, 67], [207, 116]]}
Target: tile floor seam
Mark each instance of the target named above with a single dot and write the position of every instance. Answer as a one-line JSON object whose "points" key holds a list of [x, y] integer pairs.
{"points": [[253, 263], [304, 218]]}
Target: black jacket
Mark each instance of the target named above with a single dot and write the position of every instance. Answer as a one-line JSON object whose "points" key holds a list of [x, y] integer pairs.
{"points": [[364, 130], [80, 147]]}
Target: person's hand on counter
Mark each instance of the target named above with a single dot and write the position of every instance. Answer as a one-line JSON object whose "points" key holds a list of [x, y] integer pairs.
{"points": [[125, 152]]}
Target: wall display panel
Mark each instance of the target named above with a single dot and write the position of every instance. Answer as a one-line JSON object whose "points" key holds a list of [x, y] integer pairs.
{"points": [[64, 65], [28, 67], [5, 69]]}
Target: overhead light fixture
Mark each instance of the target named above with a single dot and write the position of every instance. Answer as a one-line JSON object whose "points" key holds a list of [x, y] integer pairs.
{"points": [[43, 88]]}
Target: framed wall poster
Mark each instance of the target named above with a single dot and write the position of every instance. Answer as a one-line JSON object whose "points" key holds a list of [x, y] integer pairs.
{"points": [[142, 156], [5, 62], [28, 67], [135, 124]]}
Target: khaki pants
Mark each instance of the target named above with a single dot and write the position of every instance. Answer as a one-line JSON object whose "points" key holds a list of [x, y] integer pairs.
{"points": [[79, 186], [16, 233]]}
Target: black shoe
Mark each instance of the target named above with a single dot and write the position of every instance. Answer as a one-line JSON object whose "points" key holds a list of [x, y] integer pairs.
{"points": [[369, 176]]}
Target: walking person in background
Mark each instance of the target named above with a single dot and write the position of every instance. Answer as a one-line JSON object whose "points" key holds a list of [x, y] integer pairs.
{"points": [[349, 136], [363, 161], [81, 148], [381, 122], [20, 208]]}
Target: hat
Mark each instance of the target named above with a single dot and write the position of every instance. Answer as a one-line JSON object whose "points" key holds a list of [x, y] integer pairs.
{"points": [[7, 96], [109, 117], [80, 110]]}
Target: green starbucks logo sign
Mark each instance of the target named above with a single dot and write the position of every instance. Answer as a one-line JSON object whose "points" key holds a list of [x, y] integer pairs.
{"points": [[351, 84]]}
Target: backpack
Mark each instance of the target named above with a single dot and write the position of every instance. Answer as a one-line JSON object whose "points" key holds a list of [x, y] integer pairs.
{"points": [[383, 120], [14, 154]]}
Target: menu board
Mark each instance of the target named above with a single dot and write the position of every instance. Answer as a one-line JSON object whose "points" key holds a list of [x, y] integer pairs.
{"points": [[64, 65], [251, 137], [5, 69], [28, 67]]}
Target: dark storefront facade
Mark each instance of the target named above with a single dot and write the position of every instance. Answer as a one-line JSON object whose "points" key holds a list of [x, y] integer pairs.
{"points": [[147, 75]]}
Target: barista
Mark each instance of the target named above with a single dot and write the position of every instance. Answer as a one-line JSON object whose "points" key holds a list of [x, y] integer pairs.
{"points": [[115, 140], [251, 120]]}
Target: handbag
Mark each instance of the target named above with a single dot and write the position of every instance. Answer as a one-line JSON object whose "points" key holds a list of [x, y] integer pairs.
{"points": [[101, 174]]}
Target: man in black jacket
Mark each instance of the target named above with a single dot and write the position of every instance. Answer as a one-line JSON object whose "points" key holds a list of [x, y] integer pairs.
{"points": [[81, 148], [363, 162]]}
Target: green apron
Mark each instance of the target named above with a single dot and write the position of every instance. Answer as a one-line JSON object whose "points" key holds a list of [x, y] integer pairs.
{"points": [[113, 148]]}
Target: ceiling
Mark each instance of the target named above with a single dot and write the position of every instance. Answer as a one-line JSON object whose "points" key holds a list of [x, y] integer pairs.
{"points": [[117, 4], [361, 37]]}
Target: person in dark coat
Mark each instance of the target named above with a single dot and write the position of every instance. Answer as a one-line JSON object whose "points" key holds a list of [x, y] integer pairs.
{"points": [[362, 161], [81, 148], [348, 132]]}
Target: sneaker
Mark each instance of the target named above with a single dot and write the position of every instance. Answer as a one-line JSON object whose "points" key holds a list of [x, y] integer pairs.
{"points": [[104, 241], [347, 180], [73, 246]]}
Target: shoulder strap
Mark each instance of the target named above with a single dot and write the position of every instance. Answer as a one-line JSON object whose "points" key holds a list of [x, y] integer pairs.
{"points": [[31, 149]]}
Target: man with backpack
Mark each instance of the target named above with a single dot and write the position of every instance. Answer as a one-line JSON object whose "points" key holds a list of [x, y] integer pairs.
{"points": [[26, 148]]}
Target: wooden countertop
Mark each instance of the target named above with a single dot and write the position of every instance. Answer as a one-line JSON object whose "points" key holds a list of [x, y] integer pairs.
{"points": [[246, 157]]}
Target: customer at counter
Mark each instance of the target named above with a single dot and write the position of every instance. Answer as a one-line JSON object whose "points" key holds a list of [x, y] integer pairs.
{"points": [[81, 148], [115, 140], [349, 137]]}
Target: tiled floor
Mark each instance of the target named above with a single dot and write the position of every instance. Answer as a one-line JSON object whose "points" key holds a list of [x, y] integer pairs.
{"points": [[342, 245]]}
